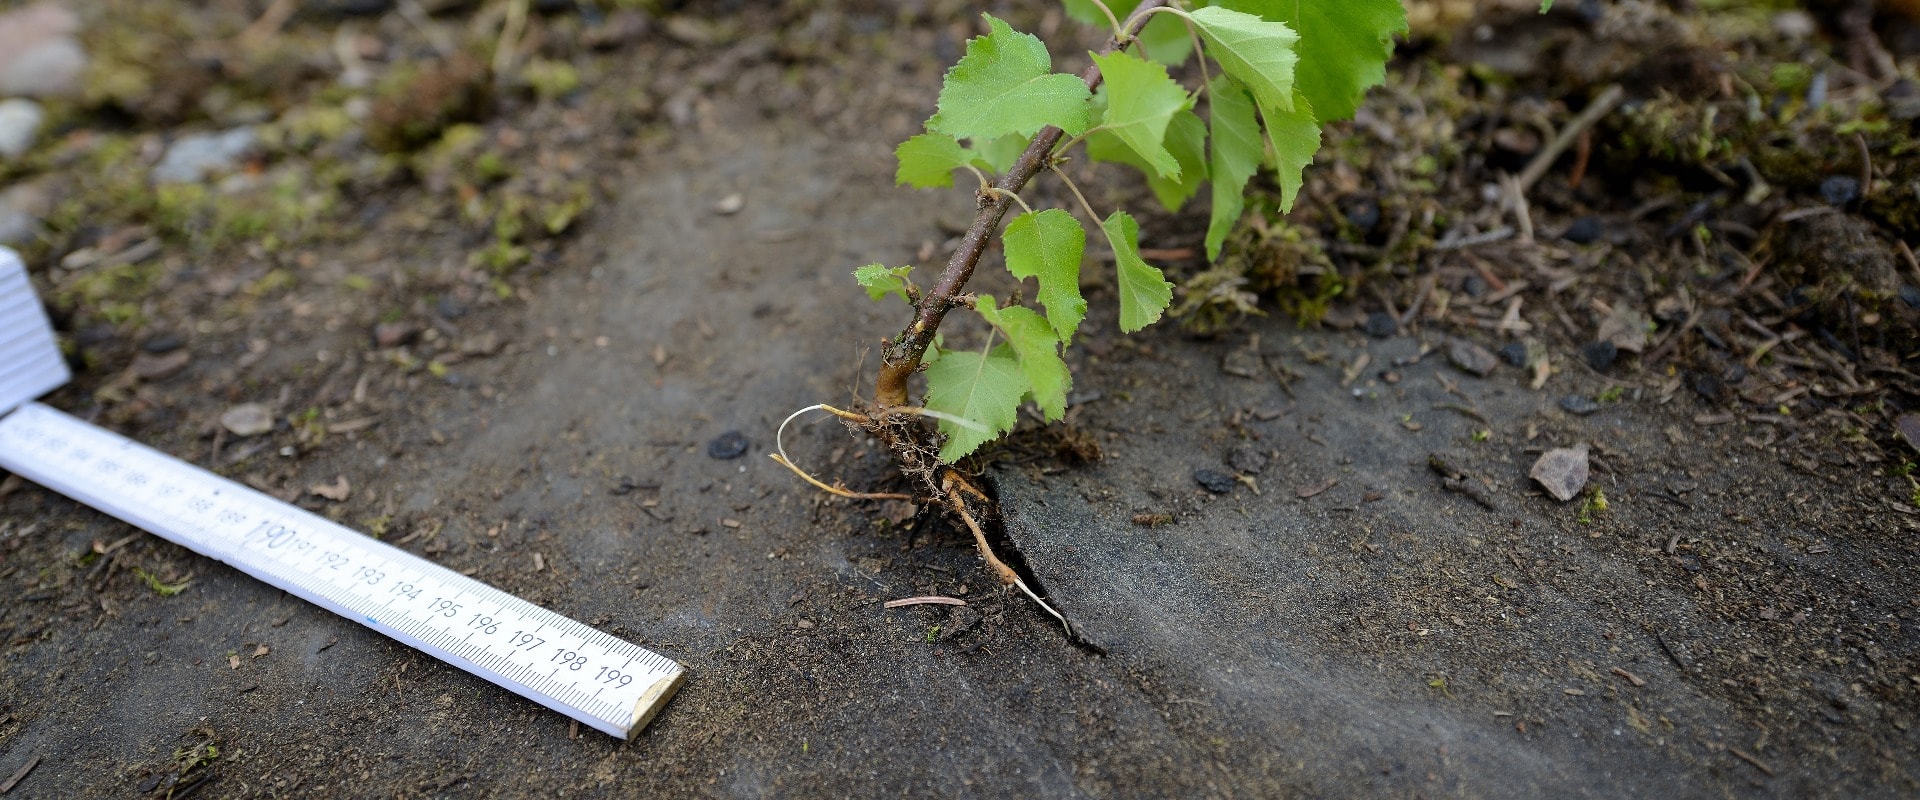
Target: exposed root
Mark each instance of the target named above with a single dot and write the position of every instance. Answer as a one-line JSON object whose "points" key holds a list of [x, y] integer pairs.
{"points": [[960, 492], [836, 491], [918, 458]]}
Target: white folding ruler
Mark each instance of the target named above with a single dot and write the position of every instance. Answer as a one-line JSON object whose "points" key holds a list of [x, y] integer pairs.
{"points": [[613, 685]]}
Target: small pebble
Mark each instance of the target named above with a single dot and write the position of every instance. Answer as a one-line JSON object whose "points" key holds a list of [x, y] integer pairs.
{"points": [[1364, 213], [1474, 286], [150, 367], [393, 334], [449, 307], [1580, 405], [1381, 325], [1514, 353], [1600, 355], [731, 204], [1471, 357], [247, 419], [1840, 190], [196, 157], [1585, 230], [163, 343], [1562, 471], [1910, 296], [19, 127], [732, 444], [1214, 481]]}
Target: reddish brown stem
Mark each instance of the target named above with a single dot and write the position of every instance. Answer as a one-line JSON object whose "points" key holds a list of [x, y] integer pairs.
{"points": [[901, 358]]}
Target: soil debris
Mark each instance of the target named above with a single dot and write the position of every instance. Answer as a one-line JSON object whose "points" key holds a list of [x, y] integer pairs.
{"points": [[1317, 488], [247, 419], [1214, 481], [1562, 471], [1471, 358], [1579, 405], [1247, 458]]}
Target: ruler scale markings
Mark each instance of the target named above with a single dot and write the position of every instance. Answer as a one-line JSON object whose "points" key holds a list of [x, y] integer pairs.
{"points": [[333, 567]]}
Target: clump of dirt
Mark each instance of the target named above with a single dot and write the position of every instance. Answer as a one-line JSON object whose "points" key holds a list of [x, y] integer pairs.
{"points": [[1831, 260], [413, 106]]}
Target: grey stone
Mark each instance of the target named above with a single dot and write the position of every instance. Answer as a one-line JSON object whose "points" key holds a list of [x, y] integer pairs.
{"points": [[38, 55], [1562, 471], [194, 158], [19, 127], [1214, 480], [1471, 357], [21, 208]]}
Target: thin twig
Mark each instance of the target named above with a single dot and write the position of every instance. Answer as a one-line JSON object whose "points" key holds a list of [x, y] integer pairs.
{"points": [[1594, 111], [927, 600], [1092, 216], [1907, 253], [1757, 763], [507, 49], [269, 23], [1674, 338], [1866, 166]]}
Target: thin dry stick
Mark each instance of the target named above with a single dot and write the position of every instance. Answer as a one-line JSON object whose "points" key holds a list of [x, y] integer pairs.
{"points": [[1866, 166], [1594, 111], [506, 51], [932, 599], [269, 23], [901, 356]]}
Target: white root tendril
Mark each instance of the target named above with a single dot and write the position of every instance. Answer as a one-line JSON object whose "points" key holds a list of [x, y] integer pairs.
{"points": [[1043, 604], [780, 445]]}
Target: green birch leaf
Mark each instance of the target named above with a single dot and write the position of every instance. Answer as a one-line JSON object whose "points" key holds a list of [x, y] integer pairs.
{"points": [[1038, 351], [1344, 47], [1186, 139], [1237, 152], [1048, 245], [985, 388], [1144, 290], [1258, 53], [998, 155], [1004, 85], [927, 161], [1165, 40], [1296, 138], [1141, 102], [881, 281]]}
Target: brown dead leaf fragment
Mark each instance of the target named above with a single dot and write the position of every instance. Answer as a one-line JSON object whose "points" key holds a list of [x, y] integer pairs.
{"points": [[1562, 471], [1909, 425], [148, 367], [1626, 327], [338, 491], [247, 419], [1309, 491]]}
